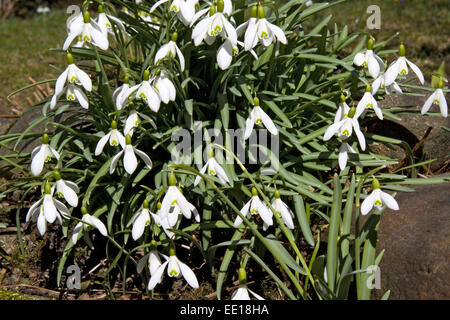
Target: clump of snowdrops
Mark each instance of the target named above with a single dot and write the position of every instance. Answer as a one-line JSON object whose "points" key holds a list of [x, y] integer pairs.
{"points": [[138, 72]]}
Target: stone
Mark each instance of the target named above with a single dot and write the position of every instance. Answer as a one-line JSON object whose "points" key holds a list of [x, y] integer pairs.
{"points": [[416, 240]]}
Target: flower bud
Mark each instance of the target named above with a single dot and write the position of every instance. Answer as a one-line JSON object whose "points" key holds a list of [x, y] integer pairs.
{"points": [[101, 9], [375, 183], [220, 5], [172, 180], [212, 10], [242, 274], [255, 101], [277, 194], [47, 188], [254, 11], [83, 210], [146, 75], [441, 84], [126, 79], [114, 124], [57, 175], [261, 12], [145, 204], [128, 140], [368, 88], [172, 252], [174, 37], [159, 205], [69, 58], [343, 98], [45, 138], [86, 17], [401, 50], [211, 152], [351, 112], [370, 43], [254, 192]]}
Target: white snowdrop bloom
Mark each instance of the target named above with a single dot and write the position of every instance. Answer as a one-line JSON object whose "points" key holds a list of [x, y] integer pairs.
{"points": [[114, 137], [46, 210], [163, 221], [343, 154], [73, 76], [258, 29], [255, 207], [368, 102], [146, 92], [66, 189], [153, 22], [378, 199], [141, 220], [369, 60], [400, 66], [164, 87], [227, 10], [342, 111], [89, 31], [438, 97], [185, 9], [171, 49], [215, 24], [226, 53], [283, 211], [175, 268], [121, 94], [152, 259], [258, 116], [212, 168], [175, 203], [129, 157], [105, 21], [88, 222], [42, 154], [381, 82], [133, 120], [242, 292], [345, 127]]}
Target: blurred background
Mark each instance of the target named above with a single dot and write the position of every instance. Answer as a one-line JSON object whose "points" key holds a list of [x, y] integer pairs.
{"points": [[30, 29]]}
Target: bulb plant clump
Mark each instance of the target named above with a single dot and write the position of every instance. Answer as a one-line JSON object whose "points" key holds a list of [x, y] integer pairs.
{"points": [[270, 119]]}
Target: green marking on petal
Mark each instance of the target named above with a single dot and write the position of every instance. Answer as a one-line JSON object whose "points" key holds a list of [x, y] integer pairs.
{"points": [[346, 133], [436, 101], [174, 202], [142, 96], [136, 123], [47, 158], [258, 121], [86, 38], [173, 273], [147, 223], [254, 212], [278, 213], [378, 203], [264, 35], [71, 97], [404, 72], [73, 79], [114, 143], [369, 105], [60, 195], [212, 172]]}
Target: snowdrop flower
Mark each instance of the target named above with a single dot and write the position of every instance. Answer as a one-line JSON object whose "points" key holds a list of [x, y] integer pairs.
{"points": [[367, 102], [216, 24], [258, 116], [66, 189], [113, 136], [283, 211], [213, 168], [378, 199], [227, 10], [258, 29], [152, 259], [225, 54], [73, 76], [46, 210], [381, 82], [255, 207], [370, 60], [104, 21], [141, 220], [147, 92], [343, 110], [42, 154], [343, 154], [134, 119], [165, 88], [344, 128], [89, 30], [400, 66], [438, 98], [242, 292], [175, 268], [152, 21], [170, 49], [185, 9], [121, 94], [129, 160], [88, 222], [174, 202]]}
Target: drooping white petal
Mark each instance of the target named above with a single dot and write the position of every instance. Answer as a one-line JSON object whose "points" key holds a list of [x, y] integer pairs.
{"points": [[114, 161], [389, 201], [244, 212], [442, 102], [49, 208], [332, 130], [157, 276], [416, 71], [129, 159], [76, 232], [188, 275], [101, 143], [368, 203]]}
